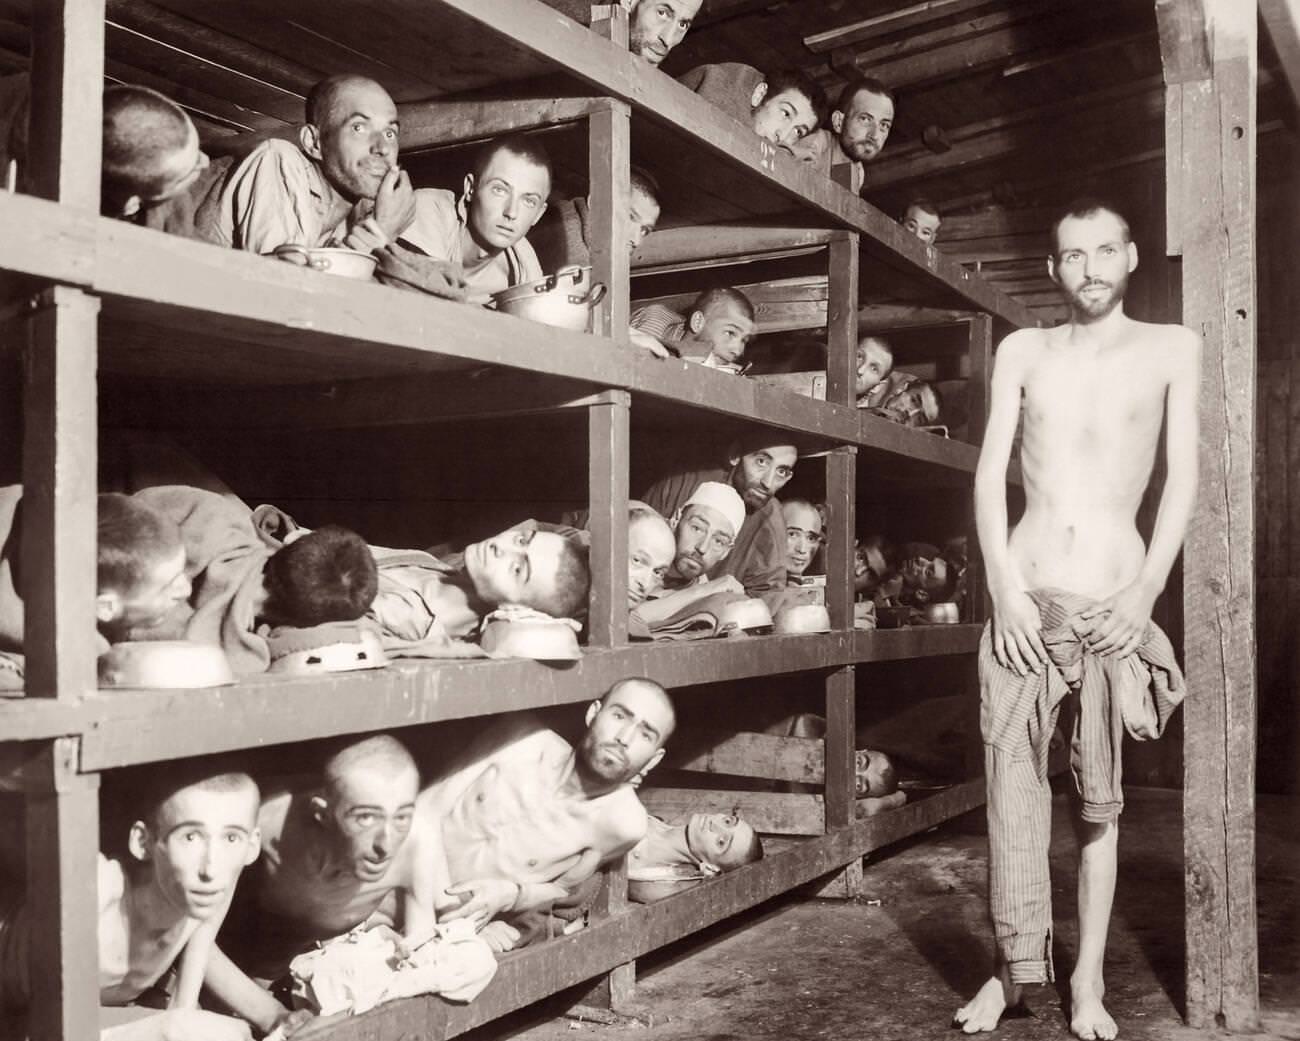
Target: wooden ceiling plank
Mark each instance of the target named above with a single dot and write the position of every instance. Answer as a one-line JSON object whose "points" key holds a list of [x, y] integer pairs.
{"points": [[891, 22], [1282, 22]]}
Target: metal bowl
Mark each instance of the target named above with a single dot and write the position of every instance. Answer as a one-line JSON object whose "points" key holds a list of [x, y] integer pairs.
{"points": [[164, 664], [334, 260]]}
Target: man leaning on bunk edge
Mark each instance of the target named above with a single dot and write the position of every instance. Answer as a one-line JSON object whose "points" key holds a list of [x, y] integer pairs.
{"points": [[1073, 587]]}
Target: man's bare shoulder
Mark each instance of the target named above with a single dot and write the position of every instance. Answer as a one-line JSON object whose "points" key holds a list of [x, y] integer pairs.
{"points": [[1018, 350], [1178, 346], [625, 819]]}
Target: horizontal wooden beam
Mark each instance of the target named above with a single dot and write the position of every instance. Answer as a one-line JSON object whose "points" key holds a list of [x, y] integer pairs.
{"points": [[346, 404], [771, 813], [746, 754], [428, 124], [887, 317], [890, 22], [723, 242], [124, 727], [930, 57], [992, 139]]}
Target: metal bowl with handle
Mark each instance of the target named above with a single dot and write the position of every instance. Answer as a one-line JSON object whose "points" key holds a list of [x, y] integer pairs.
{"points": [[350, 263], [564, 299]]}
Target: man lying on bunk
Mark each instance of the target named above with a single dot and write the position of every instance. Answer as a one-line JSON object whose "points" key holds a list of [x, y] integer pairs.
{"points": [[247, 592], [655, 27], [860, 122], [875, 363], [526, 818], [151, 150], [705, 530], [675, 857], [483, 230], [426, 602], [805, 526], [141, 573], [334, 846], [650, 547], [757, 467], [922, 219], [782, 108], [713, 333], [564, 238], [651, 550], [160, 901], [337, 184]]}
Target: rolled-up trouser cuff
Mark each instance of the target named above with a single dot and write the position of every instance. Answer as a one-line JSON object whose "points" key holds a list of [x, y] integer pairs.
{"points": [[1026, 972]]}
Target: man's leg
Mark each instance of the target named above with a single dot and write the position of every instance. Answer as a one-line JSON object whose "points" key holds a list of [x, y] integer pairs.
{"points": [[1098, 856], [1019, 812]]}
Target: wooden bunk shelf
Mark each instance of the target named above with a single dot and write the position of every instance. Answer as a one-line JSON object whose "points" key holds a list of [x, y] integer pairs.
{"points": [[678, 112], [537, 972], [121, 728]]}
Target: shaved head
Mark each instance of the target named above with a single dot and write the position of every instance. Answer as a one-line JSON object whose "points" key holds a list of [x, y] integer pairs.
{"points": [[325, 95], [648, 697], [380, 754]]}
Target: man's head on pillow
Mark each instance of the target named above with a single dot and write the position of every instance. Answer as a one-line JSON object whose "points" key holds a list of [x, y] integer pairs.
{"points": [[327, 575], [538, 569]]}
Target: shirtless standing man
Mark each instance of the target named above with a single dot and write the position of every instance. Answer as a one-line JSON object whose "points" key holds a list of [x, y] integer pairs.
{"points": [[1095, 391]]}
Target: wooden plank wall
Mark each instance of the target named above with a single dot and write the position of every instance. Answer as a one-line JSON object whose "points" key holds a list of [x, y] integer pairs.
{"points": [[1277, 455]]}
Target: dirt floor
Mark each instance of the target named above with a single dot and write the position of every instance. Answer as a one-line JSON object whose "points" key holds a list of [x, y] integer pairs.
{"points": [[894, 965]]}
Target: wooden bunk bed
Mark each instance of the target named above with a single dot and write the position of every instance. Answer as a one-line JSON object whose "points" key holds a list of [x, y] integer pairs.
{"points": [[105, 303]]}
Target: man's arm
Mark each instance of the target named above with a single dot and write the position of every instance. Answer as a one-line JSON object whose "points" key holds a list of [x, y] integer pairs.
{"points": [[240, 994], [1124, 616], [1016, 624], [271, 202]]}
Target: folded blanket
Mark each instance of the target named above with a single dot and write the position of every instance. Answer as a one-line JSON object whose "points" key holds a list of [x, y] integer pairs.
{"points": [[224, 560], [696, 621]]}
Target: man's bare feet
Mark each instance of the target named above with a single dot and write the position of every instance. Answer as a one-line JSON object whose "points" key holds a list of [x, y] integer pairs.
{"points": [[983, 1011], [1089, 1020]]}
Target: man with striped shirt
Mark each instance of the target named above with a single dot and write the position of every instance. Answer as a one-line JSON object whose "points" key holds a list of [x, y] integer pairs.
{"points": [[1073, 586]]}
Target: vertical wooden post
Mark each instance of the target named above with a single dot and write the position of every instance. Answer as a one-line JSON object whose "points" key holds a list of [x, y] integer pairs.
{"points": [[67, 101], [609, 151], [1210, 56], [607, 493], [617, 988], [59, 487], [62, 856], [842, 318], [840, 797], [981, 373]]}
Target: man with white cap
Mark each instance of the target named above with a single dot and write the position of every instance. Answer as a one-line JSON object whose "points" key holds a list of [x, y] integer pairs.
{"points": [[705, 527], [757, 468]]}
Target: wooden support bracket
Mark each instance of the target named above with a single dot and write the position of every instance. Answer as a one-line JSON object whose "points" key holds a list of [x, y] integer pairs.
{"points": [[62, 814], [59, 488], [607, 487]]}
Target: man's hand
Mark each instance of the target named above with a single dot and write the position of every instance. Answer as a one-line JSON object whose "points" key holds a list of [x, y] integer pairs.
{"points": [[722, 584], [394, 203], [500, 936], [402, 267], [1017, 633], [294, 1022], [1119, 623], [645, 342], [192, 1024], [482, 900]]}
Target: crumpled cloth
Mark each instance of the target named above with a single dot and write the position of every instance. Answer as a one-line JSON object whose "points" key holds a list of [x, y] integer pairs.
{"points": [[698, 620], [359, 970]]}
